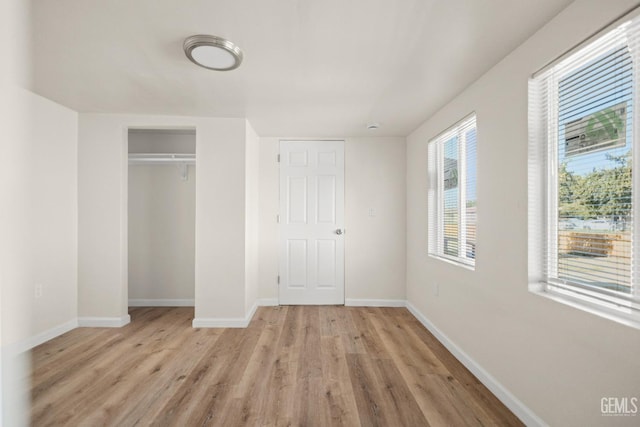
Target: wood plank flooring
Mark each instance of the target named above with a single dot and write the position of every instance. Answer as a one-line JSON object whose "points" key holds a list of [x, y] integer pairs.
{"points": [[293, 366]]}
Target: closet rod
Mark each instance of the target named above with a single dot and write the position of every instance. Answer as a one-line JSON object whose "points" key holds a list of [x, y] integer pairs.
{"points": [[161, 158]]}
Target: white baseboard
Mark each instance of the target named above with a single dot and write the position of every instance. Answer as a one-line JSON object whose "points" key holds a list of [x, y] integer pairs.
{"points": [[219, 322], [354, 302], [45, 336], [229, 322], [351, 302], [516, 406], [268, 302], [251, 312], [103, 322], [137, 302]]}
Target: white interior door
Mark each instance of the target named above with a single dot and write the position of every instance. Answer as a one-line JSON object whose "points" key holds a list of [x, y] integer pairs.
{"points": [[311, 222]]}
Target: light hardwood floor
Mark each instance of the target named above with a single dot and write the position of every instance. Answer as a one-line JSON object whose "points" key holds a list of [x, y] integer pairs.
{"points": [[293, 366]]}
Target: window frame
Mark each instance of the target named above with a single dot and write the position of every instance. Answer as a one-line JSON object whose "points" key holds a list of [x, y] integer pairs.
{"points": [[435, 148], [543, 191]]}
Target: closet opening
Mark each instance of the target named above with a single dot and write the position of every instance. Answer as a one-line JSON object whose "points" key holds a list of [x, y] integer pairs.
{"points": [[161, 217]]}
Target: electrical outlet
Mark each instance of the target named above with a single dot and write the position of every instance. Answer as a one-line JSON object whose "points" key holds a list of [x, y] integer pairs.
{"points": [[38, 290], [372, 212]]}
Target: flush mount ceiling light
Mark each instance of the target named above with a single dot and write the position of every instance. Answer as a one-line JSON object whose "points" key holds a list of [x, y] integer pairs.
{"points": [[214, 53], [373, 126]]}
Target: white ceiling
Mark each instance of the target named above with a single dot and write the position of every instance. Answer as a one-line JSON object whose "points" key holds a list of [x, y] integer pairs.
{"points": [[311, 67]]}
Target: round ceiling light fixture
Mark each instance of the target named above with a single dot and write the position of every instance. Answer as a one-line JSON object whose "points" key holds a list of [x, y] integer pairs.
{"points": [[373, 125], [212, 52]]}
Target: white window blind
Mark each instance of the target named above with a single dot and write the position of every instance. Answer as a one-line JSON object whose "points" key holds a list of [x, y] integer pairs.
{"points": [[582, 127], [452, 193]]}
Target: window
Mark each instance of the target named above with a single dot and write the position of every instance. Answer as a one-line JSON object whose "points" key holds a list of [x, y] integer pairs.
{"points": [[452, 193], [582, 152]]}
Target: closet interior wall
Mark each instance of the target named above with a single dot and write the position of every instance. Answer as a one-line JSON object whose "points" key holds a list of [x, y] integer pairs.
{"points": [[161, 223]]}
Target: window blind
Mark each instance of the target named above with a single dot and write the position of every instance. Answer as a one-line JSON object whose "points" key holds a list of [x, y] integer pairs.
{"points": [[583, 113], [452, 194]]}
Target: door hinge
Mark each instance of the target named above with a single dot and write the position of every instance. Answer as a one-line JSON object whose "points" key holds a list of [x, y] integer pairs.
{"points": [[278, 280], [278, 158]]}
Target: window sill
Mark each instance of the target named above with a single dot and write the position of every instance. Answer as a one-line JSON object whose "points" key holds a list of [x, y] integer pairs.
{"points": [[584, 304], [453, 261]]}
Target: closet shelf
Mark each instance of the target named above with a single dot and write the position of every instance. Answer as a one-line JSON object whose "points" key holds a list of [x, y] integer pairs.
{"points": [[161, 158]]}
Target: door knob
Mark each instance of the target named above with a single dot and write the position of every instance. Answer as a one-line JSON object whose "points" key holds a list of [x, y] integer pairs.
{"points": [[338, 231]]}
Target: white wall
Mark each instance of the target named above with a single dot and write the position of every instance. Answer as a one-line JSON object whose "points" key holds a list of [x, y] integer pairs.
{"points": [[557, 360], [375, 252], [374, 246], [38, 225], [162, 141], [268, 227], [252, 217], [220, 219], [220, 214], [14, 70], [162, 226], [40, 219], [102, 215]]}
